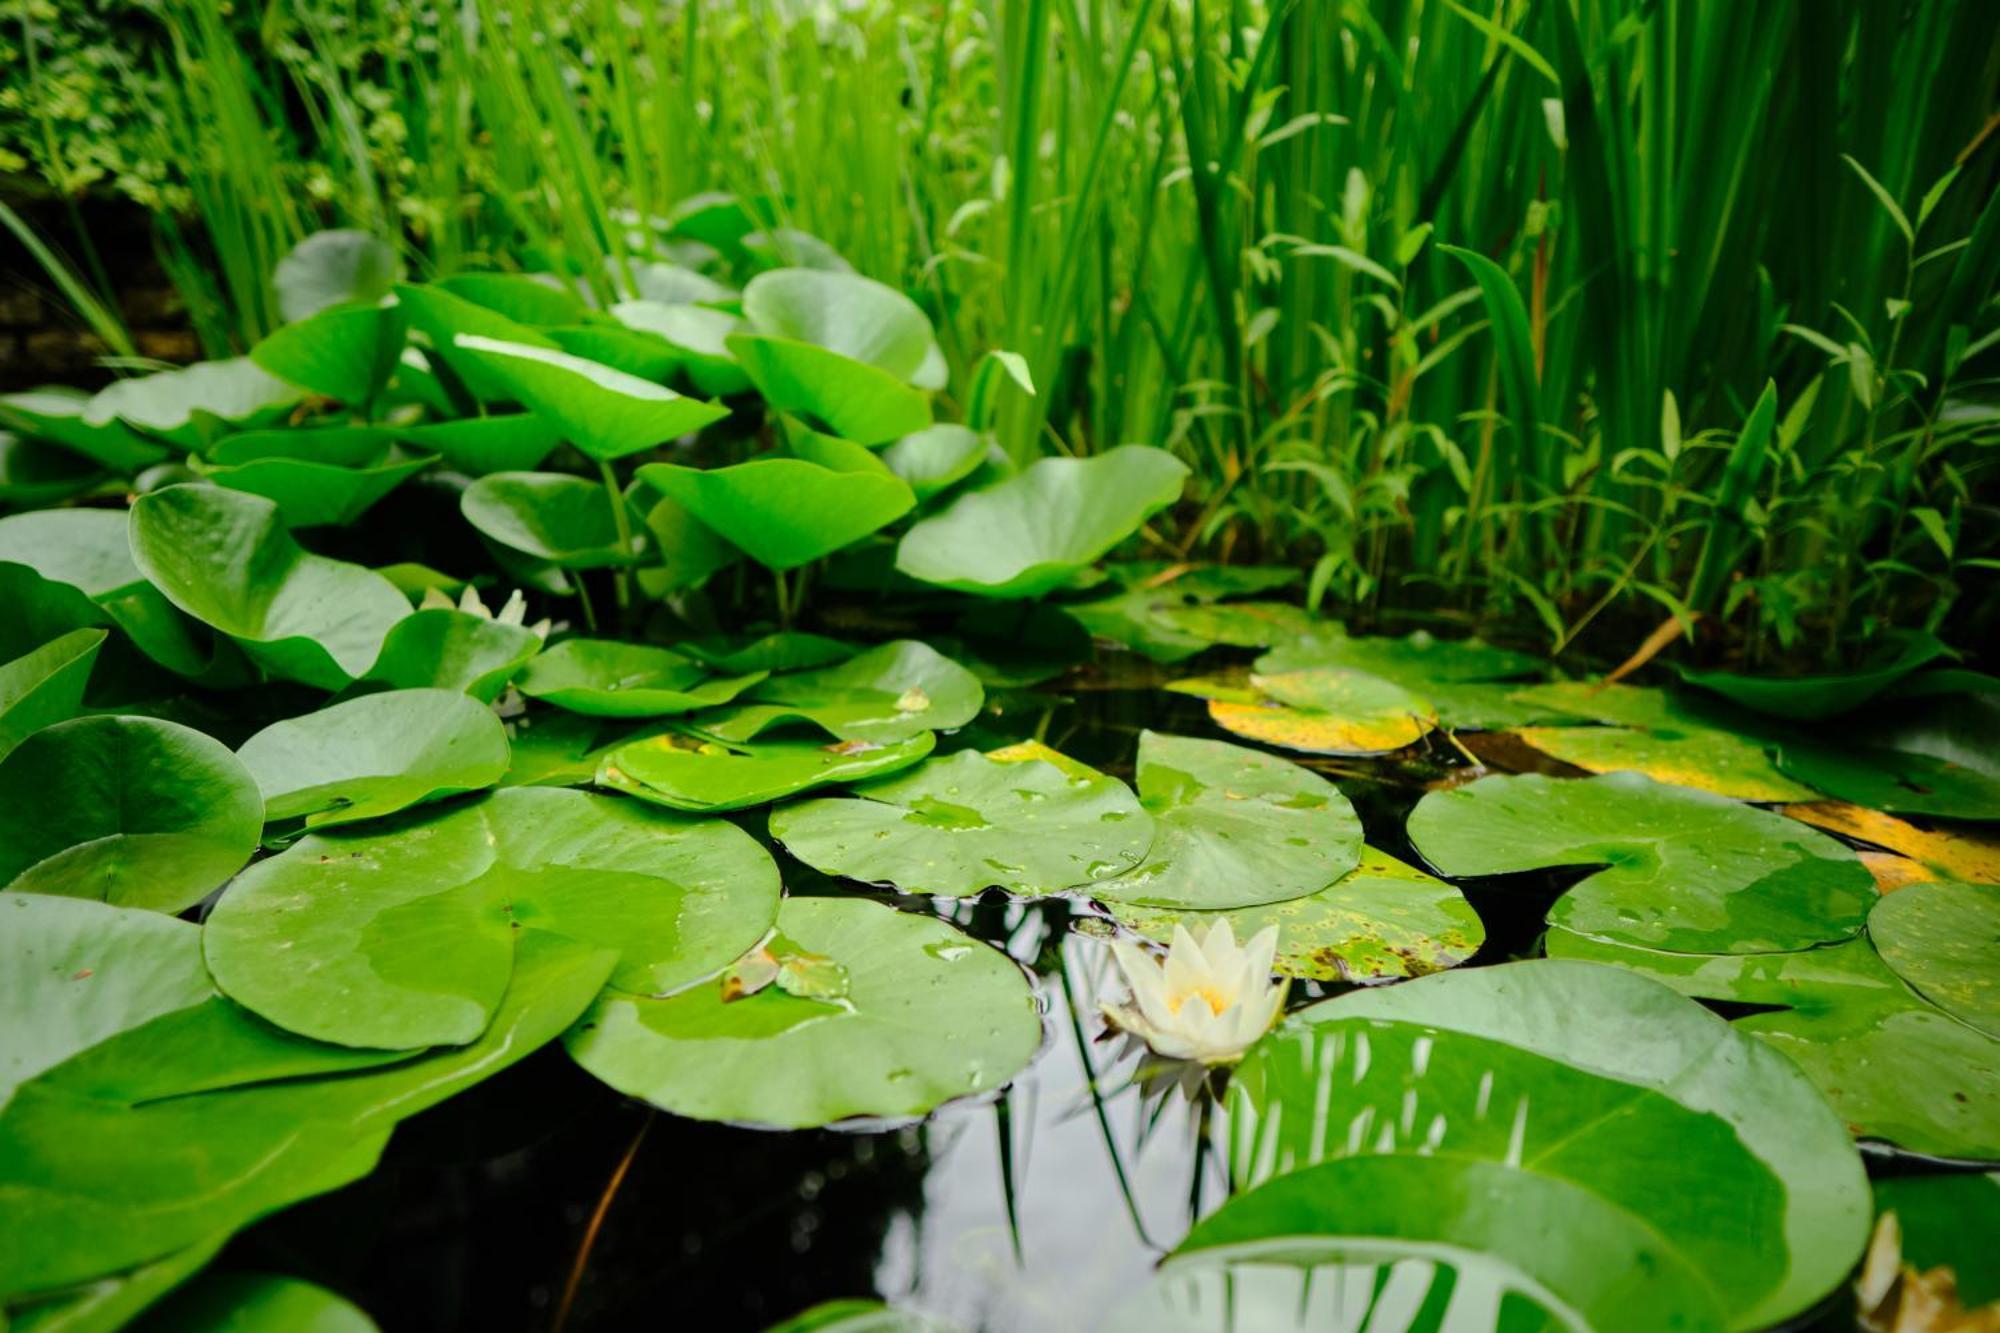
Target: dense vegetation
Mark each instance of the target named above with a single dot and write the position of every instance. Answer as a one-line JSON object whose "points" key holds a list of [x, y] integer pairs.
{"points": [[717, 549]]}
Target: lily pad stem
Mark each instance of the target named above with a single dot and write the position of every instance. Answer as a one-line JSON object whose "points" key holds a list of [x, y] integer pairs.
{"points": [[623, 520]]}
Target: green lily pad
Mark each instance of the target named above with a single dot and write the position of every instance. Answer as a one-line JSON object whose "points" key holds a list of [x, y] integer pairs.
{"points": [[1893, 1066], [1720, 762], [320, 477], [374, 755], [1513, 1119], [1031, 533], [886, 694], [440, 316], [1239, 624], [189, 406], [936, 458], [1943, 940], [852, 399], [1415, 661], [921, 1014], [477, 446], [257, 1303], [125, 810], [58, 415], [443, 649], [657, 282], [1684, 870], [74, 570], [1320, 710], [690, 772], [333, 267], [1949, 1221], [225, 558], [701, 337], [33, 473], [45, 686], [605, 678], [631, 351], [1141, 616], [534, 299], [1233, 828], [849, 314], [1381, 921], [407, 937], [1904, 782], [968, 821], [785, 650], [784, 512], [1810, 698], [689, 550], [346, 353], [604, 412], [551, 516]]}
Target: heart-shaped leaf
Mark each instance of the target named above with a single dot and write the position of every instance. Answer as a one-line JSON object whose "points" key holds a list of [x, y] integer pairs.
{"points": [[441, 317], [445, 649], [843, 312], [334, 267], [1319, 710], [906, 1013], [346, 353], [784, 512], [604, 412], [852, 399], [225, 558], [330, 476], [45, 686], [687, 772], [407, 937], [605, 678], [700, 335], [477, 446], [126, 810], [552, 516], [194, 404], [1031, 533], [374, 755], [886, 694], [936, 458]]}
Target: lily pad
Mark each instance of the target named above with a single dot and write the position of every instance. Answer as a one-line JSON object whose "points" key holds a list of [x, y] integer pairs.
{"points": [[969, 821], [477, 446], [1382, 921], [45, 686], [534, 299], [604, 412], [333, 267], [34, 473], [407, 937], [886, 694], [440, 317], [444, 649], [1320, 710], [346, 353], [689, 772], [1683, 870], [316, 477], [785, 650], [632, 351], [374, 755], [1141, 616], [852, 399], [605, 678], [1414, 660], [1810, 698], [75, 571], [843, 312], [918, 1014], [699, 334], [1961, 853], [784, 512], [1943, 940], [1904, 782], [1513, 1118], [1239, 624], [257, 1303], [1708, 760], [191, 405], [126, 810], [58, 415], [1233, 828], [551, 516], [936, 458], [225, 558], [1033, 532]]}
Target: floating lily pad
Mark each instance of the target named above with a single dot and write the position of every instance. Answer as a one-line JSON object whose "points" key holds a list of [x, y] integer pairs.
{"points": [[1708, 760], [687, 772], [786, 650], [439, 648], [1383, 920], [604, 412], [1511, 1119], [1320, 710], [916, 1014], [1809, 698], [843, 312], [886, 694], [784, 512], [190, 405], [333, 267], [606, 678], [374, 755], [936, 458], [1141, 617], [1240, 624], [1954, 852], [58, 415], [45, 686], [315, 477], [126, 810], [1684, 870], [1233, 828], [407, 937], [968, 821], [1033, 532], [551, 516], [346, 353], [477, 446], [1892, 1065], [1904, 782], [225, 559], [1415, 660], [1943, 940], [75, 571]]}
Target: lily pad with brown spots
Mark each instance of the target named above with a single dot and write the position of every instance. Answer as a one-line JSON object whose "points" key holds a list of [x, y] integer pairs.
{"points": [[1943, 940], [1953, 851]]}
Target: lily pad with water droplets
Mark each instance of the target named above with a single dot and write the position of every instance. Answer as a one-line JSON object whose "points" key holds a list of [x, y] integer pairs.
{"points": [[1514, 1121], [606, 678], [926, 1014], [1320, 710], [887, 694], [1943, 940], [1233, 828], [1682, 869], [969, 821], [406, 936], [692, 772]]}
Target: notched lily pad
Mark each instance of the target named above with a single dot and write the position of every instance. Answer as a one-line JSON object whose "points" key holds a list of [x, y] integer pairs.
{"points": [[606, 678], [884, 695], [692, 772]]}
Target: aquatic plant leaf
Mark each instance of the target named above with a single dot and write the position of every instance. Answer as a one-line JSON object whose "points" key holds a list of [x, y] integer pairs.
{"points": [[691, 772], [440, 316], [551, 516], [1033, 532], [45, 686], [1962, 853], [115, 1299], [320, 477], [34, 473], [477, 446], [784, 512], [346, 353], [852, 399], [331, 268], [630, 351], [859, 1316], [1943, 940], [257, 1303], [58, 415], [607, 678], [1233, 828], [1141, 616], [928, 1014], [968, 821], [1380, 921], [127, 810], [886, 694], [700, 336], [604, 412], [784, 650], [407, 936], [1707, 760], [1948, 1221], [1319, 710], [374, 755], [843, 312], [74, 570], [535, 299], [1416, 660], [1683, 870], [446, 649], [188, 405], [225, 558], [1520, 1111], [936, 458], [1898, 781], [1239, 624], [1893, 1066], [1811, 698]]}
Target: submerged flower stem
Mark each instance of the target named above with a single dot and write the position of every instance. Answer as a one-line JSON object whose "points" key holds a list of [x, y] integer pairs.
{"points": [[597, 1216]]}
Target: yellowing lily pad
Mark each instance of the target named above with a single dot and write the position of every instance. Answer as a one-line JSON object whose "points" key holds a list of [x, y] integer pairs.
{"points": [[1706, 760], [1956, 852], [1320, 710]]}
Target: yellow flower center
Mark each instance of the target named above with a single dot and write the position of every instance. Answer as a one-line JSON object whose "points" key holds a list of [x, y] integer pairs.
{"points": [[1217, 1001]]}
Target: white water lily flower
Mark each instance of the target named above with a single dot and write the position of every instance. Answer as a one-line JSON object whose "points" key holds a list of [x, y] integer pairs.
{"points": [[1207, 1001], [514, 611]]}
